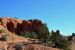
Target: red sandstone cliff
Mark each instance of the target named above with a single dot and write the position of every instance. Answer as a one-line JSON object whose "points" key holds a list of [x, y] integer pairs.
{"points": [[16, 25]]}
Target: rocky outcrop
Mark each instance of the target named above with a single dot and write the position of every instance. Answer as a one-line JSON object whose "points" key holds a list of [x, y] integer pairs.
{"points": [[10, 23], [16, 25]]}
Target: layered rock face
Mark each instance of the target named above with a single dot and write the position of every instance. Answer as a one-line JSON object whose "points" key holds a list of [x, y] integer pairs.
{"points": [[16, 25]]}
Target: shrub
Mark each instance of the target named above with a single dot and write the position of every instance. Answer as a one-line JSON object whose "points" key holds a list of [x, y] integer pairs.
{"points": [[67, 49], [28, 34], [4, 37], [19, 46], [1, 49], [2, 31]]}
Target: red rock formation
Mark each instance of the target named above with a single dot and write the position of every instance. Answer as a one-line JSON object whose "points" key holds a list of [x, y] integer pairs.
{"points": [[11, 26], [10, 23], [25, 26], [16, 26]]}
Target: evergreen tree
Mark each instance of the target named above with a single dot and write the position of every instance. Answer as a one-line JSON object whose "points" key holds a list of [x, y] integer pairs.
{"points": [[73, 34], [43, 33], [58, 40]]}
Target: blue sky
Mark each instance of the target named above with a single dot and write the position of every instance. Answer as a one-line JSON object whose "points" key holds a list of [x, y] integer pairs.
{"points": [[58, 14]]}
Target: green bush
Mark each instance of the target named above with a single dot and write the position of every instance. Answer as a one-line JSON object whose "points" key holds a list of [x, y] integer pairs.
{"points": [[19, 46]]}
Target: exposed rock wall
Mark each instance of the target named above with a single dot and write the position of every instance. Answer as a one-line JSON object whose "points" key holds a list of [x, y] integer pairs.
{"points": [[16, 25]]}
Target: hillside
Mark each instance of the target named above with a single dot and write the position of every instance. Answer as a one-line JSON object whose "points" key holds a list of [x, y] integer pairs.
{"points": [[13, 27], [9, 26]]}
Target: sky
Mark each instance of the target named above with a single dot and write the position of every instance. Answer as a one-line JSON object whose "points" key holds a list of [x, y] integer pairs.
{"points": [[57, 14]]}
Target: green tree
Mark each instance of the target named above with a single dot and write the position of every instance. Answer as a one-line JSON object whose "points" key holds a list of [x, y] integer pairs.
{"points": [[73, 34], [69, 38], [43, 33]]}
